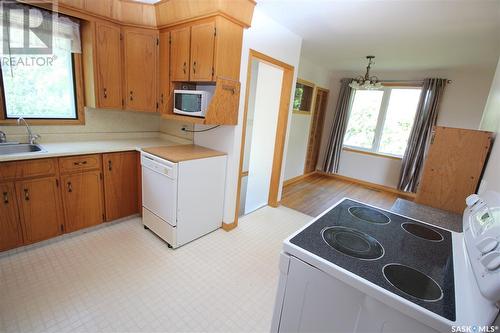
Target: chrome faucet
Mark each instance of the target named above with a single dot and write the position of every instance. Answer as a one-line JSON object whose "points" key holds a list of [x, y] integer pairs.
{"points": [[32, 137], [3, 137]]}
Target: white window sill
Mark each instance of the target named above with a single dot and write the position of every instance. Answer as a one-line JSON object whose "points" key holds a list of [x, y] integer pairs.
{"points": [[365, 152]]}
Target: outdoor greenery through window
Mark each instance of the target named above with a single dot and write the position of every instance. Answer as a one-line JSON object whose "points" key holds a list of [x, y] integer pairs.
{"points": [[380, 121], [41, 92], [303, 97], [37, 63]]}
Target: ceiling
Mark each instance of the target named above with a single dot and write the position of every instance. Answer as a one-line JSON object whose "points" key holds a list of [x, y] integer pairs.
{"points": [[404, 34]]}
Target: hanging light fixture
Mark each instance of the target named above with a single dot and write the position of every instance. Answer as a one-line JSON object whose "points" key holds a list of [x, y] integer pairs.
{"points": [[367, 82]]}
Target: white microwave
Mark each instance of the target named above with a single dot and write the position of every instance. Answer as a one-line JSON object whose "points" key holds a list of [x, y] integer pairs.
{"points": [[191, 102]]}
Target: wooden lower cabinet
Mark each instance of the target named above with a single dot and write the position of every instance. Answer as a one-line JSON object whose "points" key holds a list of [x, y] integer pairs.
{"points": [[121, 190], [40, 208], [10, 227], [45, 198], [82, 199]]}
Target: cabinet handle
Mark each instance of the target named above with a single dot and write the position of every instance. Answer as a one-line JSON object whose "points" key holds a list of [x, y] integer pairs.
{"points": [[105, 93], [5, 197], [26, 194], [70, 187], [80, 163], [184, 67], [161, 98], [110, 166], [131, 95], [194, 67]]}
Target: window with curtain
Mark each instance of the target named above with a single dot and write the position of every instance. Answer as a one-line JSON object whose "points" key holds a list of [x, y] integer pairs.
{"points": [[38, 75], [380, 121]]}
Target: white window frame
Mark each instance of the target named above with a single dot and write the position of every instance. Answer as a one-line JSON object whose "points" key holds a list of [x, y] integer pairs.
{"points": [[384, 105]]}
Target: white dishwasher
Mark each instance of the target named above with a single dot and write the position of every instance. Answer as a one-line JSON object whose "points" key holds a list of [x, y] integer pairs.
{"points": [[182, 200]]}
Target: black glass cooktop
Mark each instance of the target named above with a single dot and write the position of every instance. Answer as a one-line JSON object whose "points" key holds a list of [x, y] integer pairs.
{"points": [[401, 255]]}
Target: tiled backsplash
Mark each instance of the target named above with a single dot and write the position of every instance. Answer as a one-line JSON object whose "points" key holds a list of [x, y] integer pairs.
{"points": [[104, 124]]}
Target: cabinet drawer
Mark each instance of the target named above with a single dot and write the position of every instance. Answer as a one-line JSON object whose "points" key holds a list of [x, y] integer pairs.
{"points": [[27, 169], [79, 163]]}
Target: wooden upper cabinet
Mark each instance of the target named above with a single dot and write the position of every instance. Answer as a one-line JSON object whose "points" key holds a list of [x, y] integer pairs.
{"points": [[108, 66], [164, 72], [140, 58], [82, 199], [10, 226], [179, 51], [205, 50], [121, 184], [202, 51], [40, 207], [228, 46]]}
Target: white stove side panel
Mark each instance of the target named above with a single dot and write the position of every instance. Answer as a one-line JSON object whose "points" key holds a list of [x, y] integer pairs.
{"points": [[314, 301]]}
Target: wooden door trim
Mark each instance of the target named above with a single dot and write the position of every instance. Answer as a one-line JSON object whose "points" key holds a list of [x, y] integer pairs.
{"points": [[313, 114], [279, 146]]}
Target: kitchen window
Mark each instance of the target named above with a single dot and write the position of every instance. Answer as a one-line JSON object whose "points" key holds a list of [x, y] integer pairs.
{"points": [[380, 121], [41, 72]]}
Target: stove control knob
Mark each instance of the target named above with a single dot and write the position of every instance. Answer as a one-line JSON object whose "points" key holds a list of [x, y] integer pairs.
{"points": [[472, 199], [487, 244], [491, 261]]}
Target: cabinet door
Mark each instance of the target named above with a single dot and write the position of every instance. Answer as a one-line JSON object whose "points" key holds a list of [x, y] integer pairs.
{"points": [[10, 226], [179, 60], [164, 66], [109, 66], [202, 51], [40, 208], [140, 65], [82, 199], [121, 192]]}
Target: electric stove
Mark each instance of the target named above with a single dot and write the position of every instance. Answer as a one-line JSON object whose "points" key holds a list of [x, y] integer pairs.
{"points": [[359, 268], [401, 255]]}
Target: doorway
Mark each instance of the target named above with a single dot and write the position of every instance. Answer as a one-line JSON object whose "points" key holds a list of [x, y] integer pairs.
{"points": [[316, 130], [267, 102]]}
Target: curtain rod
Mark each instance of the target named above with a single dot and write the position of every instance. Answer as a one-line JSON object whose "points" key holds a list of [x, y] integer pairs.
{"points": [[409, 81]]}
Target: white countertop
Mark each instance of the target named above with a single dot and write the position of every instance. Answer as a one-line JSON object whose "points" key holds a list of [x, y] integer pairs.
{"points": [[55, 149]]}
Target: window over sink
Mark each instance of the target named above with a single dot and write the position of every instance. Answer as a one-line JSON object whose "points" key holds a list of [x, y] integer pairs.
{"points": [[380, 121], [40, 67]]}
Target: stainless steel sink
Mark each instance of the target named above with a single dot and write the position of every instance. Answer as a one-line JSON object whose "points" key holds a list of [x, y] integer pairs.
{"points": [[20, 148]]}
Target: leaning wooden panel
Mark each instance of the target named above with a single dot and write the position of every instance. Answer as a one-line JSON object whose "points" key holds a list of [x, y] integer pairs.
{"points": [[223, 108], [453, 167]]}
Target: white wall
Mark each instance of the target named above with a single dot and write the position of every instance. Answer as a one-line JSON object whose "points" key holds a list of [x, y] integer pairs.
{"points": [[462, 106], [272, 39], [491, 122], [297, 145], [265, 116], [300, 123], [491, 115]]}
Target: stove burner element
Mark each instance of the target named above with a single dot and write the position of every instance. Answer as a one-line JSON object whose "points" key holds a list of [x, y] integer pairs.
{"points": [[369, 215], [422, 232], [412, 282], [353, 243]]}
